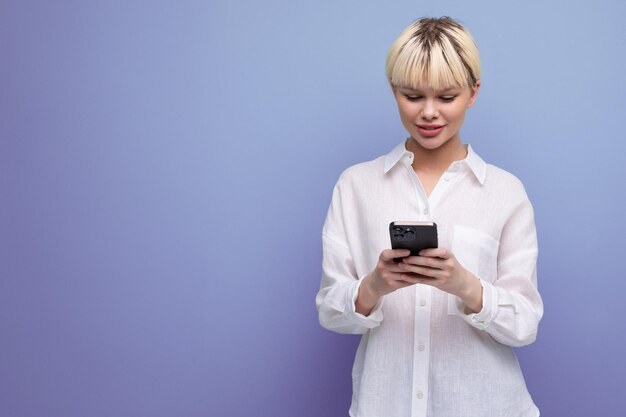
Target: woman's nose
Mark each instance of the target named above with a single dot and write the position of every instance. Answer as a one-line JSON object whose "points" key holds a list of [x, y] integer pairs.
{"points": [[429, 111]]}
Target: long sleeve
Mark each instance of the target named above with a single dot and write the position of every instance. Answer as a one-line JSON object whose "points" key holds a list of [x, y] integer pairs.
{"points": [[340, 284], [512, 306]]}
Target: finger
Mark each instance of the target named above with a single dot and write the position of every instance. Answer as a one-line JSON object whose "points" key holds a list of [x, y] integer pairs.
{"points": [[415, 278], [395, 267], [403, 276], [423, 271], [410, 279], [436, 263], [389, 255], [392, 268], [442, 253]]}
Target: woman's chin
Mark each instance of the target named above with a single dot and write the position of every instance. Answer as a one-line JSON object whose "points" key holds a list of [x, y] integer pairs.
{"points": [[428, 143]]}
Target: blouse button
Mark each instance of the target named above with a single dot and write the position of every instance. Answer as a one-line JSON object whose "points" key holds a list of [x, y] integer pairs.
{"points": [[422, 302], [421, 347], [420, 394]]}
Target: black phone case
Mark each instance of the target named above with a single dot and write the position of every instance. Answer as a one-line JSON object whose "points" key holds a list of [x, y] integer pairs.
{"points": [[413, 237]]}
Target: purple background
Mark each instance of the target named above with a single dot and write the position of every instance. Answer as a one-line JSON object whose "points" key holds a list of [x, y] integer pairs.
{"points": [[165, 169]]}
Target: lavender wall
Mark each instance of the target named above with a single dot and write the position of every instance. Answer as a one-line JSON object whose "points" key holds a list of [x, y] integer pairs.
{"points": [[165, 169]]}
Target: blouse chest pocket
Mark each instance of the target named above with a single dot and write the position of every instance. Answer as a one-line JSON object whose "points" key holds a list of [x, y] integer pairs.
{"points": [[478, 253]]}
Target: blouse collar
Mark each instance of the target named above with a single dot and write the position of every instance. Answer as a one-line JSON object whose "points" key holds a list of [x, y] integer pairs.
{"points": [[473, 161]]}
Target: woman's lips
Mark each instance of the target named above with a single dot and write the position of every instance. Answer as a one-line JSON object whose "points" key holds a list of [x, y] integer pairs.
{"points": [[428, 130]]}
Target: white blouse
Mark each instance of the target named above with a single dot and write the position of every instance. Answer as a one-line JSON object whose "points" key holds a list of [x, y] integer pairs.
{"points": [[420, 353]]}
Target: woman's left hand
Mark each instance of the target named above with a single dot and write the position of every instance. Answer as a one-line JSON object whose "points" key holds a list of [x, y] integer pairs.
{"points": [[439, 267]]}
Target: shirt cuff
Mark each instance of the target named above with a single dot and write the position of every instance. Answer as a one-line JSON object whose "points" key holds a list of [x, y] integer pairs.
{"points": [[376, 315], [484, 317]]}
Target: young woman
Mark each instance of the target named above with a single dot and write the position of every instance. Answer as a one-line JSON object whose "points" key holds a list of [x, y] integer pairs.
{"points": [[437, 329]]}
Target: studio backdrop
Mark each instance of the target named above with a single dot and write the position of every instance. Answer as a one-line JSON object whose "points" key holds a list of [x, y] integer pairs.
{"points": [[166, 167]]}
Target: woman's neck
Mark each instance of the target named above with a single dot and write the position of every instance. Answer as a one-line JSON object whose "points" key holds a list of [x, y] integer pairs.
{"points": [[436, 160]]}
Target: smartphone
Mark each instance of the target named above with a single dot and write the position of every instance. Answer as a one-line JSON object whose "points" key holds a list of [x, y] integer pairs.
{"points": [[414, 236]]}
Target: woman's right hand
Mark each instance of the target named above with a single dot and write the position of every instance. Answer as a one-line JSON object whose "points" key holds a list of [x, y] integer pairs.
{"points": [[384, 279]]}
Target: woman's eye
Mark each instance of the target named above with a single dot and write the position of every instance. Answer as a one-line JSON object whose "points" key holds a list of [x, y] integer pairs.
{"points": [[412, 98], [447, 98]]}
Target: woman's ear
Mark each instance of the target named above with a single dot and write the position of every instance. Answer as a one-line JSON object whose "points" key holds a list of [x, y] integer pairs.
{"points": [[473, 93]]}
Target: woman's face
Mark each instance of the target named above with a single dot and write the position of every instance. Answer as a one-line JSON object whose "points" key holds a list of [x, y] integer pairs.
{"points": [[434, 117]]}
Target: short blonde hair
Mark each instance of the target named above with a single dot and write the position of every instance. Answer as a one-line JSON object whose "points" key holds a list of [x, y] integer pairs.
{"points": [[433, 52]]}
